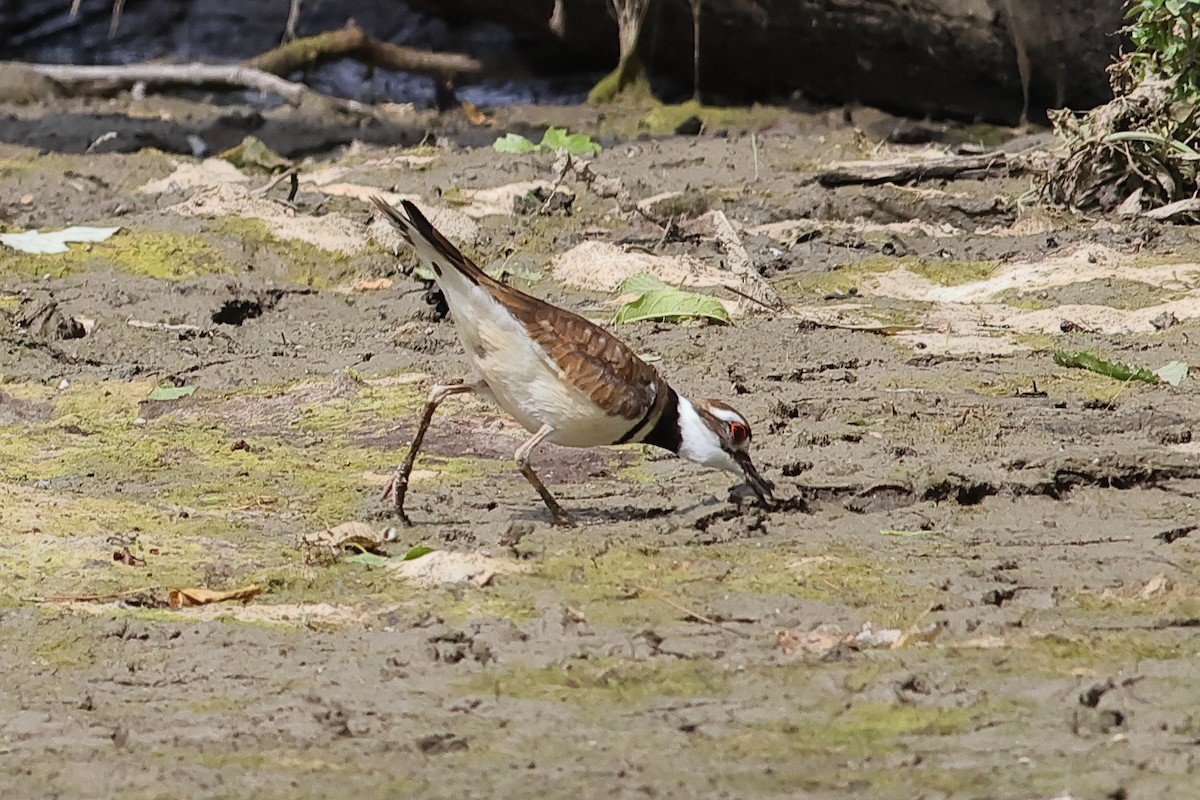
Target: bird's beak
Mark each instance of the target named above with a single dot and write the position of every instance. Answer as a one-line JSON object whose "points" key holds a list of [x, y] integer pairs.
{"points": [[761, 486]]}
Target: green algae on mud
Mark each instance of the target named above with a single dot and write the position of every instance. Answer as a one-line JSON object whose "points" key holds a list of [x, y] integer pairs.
{"points": [[294, 260], [605, 682], [160, 254], [948, 272], [192, 482]]}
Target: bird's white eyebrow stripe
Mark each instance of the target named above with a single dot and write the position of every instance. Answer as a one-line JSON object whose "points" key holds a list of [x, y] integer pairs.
{"points": [[726, 414]]}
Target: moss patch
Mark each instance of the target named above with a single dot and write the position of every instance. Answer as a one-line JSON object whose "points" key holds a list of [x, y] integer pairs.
{"points": [[953, 273], [663, 120], [292, 259], [841, 279], [154, 254], [606, 682]]}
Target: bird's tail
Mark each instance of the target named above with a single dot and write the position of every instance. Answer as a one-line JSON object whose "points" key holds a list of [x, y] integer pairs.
{"points": [[434, 250]]}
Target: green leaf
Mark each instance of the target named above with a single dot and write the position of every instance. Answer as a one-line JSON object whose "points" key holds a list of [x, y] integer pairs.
{"points": [[577, 144], [1173, 372], [895, 532], [513, 143], [640, 284], [40, 243], [1085, 359], [169, 391], [672, 305], [253, 152], [369, 559], [416, 552]]}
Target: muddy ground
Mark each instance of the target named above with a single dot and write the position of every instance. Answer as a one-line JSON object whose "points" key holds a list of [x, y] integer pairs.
{"points": [[980, 582]]}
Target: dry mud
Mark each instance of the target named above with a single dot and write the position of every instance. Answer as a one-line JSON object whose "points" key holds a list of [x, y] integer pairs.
{"points": [[1027, 531]]}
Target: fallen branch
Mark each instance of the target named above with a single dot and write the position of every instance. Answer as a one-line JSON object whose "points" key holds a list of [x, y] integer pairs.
{"points": [[263, 72], [351, 41], [177, 74], [870, 173]]}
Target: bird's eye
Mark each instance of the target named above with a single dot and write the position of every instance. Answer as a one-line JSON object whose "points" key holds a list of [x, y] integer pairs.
{"points": [[739, 433]]}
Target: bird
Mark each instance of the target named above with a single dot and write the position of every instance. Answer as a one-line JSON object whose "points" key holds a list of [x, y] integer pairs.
{"points": [[563, 378]]}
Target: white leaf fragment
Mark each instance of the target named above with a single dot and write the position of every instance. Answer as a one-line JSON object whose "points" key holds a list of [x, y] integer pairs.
{"points": [[46, 242]]}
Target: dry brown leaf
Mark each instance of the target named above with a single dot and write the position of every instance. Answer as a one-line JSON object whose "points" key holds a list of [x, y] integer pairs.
{"points": [[474, 115], [816, 642], [327, 544], [181, 598]]}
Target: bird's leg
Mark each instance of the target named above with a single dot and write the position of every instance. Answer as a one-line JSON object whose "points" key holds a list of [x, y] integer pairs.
{"points": [[398, 485], [557, 514]]}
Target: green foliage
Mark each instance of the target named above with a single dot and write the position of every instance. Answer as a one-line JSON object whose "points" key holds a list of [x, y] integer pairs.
{"points": [[1138, 153], [553, 140], [1166, 38], [672, 305], [1172, 373], [169, 391]]}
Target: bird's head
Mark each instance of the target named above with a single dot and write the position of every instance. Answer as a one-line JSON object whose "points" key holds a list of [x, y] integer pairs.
{"points": [[716, 435]]}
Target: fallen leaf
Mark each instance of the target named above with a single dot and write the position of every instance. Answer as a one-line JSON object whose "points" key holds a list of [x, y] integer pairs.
{"points": [[169, 391], [367, 559], [672, 305], [181, 598], [416, 552], [1085, 359], [474, 115], [1173, 372], [330, 542], [1159, 584], [253, 152], [816, 642], [42, 243]]}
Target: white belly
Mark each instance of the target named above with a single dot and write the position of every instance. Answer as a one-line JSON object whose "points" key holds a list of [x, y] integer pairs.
{"points": [[523, 380]]}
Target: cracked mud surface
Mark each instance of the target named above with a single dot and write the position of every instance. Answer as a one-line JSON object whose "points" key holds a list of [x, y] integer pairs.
{"points": [[1030, 531]]}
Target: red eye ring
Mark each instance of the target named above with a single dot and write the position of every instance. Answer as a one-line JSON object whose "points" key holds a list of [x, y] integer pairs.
{"points": [[739, 433]]}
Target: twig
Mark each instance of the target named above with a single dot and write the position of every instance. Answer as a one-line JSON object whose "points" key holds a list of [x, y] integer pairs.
{"points": [[160, 326], [912, 629], [271, 184], [752, 299], [557, 183], [289, 30], [90, 598], [738, 261], [696, 615]]}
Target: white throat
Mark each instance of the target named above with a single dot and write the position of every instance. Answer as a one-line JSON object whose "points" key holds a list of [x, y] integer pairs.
{"points": [[700, 443]]}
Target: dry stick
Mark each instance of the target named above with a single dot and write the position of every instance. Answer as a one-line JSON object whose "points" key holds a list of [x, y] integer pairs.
{"points": [[289, 30], [873, 172], [353, 41], [291, 171], [912, 629], [193, 74], [696, 615], [90, 598]]}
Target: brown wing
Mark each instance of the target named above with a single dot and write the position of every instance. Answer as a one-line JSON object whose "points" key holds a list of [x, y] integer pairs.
{"points": [[594, 361]]}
